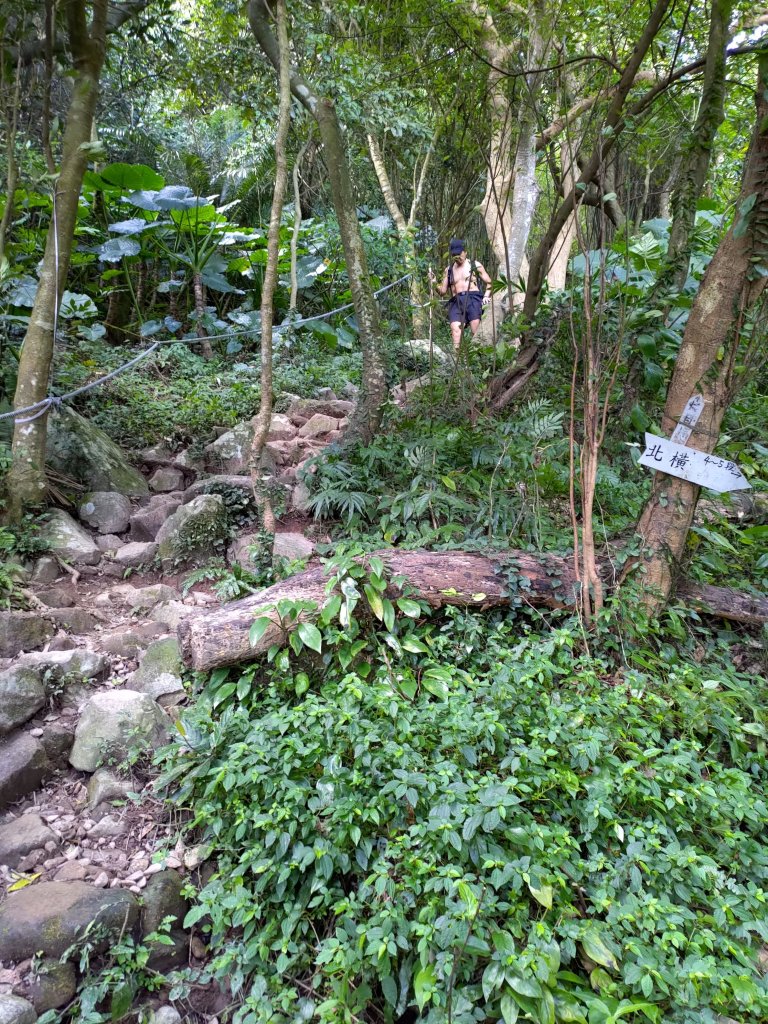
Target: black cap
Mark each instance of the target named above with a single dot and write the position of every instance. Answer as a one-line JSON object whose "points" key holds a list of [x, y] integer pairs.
{"points": [[457, 246]]}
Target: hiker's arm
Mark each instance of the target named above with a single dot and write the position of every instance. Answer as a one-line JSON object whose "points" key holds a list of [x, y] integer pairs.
{"points": [[486, 278], [483, 273]]}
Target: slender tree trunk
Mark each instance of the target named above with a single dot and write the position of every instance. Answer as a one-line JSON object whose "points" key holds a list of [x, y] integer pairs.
{"points": [[612, 126], [725, 327], [561, 252], [12, 168], [199, 291], [511, 188], [26, 480], [697, 152], [406, 228], [297, 214], [261, 427], [366, 418], [45, 120]]}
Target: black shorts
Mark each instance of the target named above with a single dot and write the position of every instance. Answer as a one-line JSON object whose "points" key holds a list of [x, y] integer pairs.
{"points": [[465, 307]]}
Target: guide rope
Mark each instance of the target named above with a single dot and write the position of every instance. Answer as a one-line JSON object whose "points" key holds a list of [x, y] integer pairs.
{"points": [[54, 401]]}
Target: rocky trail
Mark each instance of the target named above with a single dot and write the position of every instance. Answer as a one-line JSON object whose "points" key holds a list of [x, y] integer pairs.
{"points": [[91, 680]]}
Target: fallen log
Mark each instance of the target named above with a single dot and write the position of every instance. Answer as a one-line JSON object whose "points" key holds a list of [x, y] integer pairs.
{"points": [[468, 579], [724, 602]]}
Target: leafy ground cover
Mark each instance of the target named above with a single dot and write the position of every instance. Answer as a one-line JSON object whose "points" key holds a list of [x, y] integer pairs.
{"points": [[481, 818]]}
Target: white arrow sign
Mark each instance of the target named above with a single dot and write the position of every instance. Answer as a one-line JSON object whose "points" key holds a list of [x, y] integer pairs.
{"points": [[690, 464]]}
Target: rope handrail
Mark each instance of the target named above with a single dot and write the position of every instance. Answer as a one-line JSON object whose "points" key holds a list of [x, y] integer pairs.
{"points": [[38, 409]]}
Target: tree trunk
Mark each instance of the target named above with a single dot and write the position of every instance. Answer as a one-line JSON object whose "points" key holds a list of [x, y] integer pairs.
{"points": [[406, 228], [11, 110], [717, 336], [199, 290], [26, 482], [511, 189], [366, 418], [264, 416], [466, 579], [611, 127], [697, 151], [561, 251]]}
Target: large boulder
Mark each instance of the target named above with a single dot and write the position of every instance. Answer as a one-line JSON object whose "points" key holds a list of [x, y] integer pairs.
{"points": [[162, 898], [220, 484], [15, 1010], [56, 666], [304, 409], [197, 530], [22, 694], [147, 521], [24, 765], [135, 554], [230, 452], [50, 916], [21, 835], [23, 631], [318, 425], [114, 722], [77, 447], [280, 428], [51, 985], [165, 479], [293, 546], [160, 671], [68, 539], [240, 550], [106, 511], [143, 599]]}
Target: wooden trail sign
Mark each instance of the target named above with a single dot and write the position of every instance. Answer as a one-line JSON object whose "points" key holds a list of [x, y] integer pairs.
{"points": [[703, 468]]}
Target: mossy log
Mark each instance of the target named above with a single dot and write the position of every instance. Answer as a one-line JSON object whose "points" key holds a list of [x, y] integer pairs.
{"points": [[468, 579]]}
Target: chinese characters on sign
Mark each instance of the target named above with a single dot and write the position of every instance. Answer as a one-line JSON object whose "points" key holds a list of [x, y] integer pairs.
{"points": [[688, 420], [669, 456]]}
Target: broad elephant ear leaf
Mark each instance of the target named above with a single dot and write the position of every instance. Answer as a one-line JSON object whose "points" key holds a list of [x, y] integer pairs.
{"points": [[132, 177]]}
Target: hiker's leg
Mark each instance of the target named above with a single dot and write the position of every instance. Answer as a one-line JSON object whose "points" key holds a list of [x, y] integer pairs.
{"points": [[473, 326], [456, 329]]}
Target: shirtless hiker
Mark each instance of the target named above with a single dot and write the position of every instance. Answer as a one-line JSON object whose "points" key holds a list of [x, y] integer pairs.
{"points": [[467, 301]]}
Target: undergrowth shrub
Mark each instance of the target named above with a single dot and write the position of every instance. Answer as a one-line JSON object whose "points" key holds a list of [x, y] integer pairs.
{"points": [[461, 814]]}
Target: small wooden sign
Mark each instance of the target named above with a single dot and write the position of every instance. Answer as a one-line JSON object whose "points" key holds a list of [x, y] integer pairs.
{"points": [[703, 468]]}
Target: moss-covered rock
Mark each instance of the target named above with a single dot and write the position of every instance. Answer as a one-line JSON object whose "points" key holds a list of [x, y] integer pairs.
{"points": [[49, 917], [197, 531], [79, 448]]}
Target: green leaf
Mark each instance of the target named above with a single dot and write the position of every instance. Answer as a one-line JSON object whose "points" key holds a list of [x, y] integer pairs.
{"points": [[388, 612], [596, 949], [542, 895], [435, 685], [221, 695], [546, 1008], [258, 629], [509, 1008], [529, 987], [301, 684], [331, 610], [131, 177], [375, 601], [389, 988], [424, 985], [409, 608], [311, 636], [413, 645], [122, 999]]}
